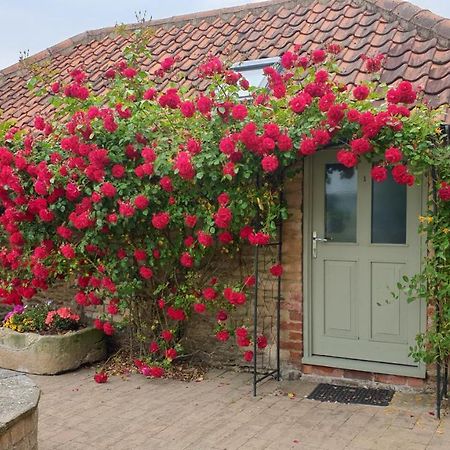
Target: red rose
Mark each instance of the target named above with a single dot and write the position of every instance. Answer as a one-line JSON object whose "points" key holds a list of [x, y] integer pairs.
{"points": [[318, 56], [444, 192], [248, 355], [156, 372], [222, 335], [146, 272], [118, 171], [261, 341], [183, 165], [64, 232], [187, 109], [67, 251], [101, 377], [288, 60], [269, 163], [176, 313], [361, 92], [308, 146], [360, 146], [141, 202], [221, 316], [204, 104], [393, 155], [276, 270], [186, 260], [223, 217], [125, 209], [239, 112], [108, 189], [347, 158], [149, 94], [225, 237], [223, 199], [209, 293], [108, 329], [199, 307], [154, 347], [250, 281], [284, 143], [379, 173], [166, 184], [171, 353], [205, 239], [160, 220], [166, 335]]}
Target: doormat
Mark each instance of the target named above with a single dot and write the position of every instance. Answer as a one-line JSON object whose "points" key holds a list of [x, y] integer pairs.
{"points": [[347, 394]]}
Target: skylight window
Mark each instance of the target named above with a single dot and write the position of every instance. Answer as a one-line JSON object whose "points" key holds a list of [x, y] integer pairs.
{"points": [[253, 72]]}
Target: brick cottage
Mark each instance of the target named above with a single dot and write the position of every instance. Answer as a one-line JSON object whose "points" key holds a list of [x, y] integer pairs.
{"points": [[346, 242]]}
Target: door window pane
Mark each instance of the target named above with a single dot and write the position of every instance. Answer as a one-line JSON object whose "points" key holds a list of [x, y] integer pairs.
{"points": [[340, 203], [388, 212]]}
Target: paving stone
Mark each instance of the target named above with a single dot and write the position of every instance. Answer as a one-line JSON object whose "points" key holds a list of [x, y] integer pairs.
{"points": [[220, 413]]}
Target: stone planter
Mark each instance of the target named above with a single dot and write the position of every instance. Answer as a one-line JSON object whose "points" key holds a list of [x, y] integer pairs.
{"points": [[50, 354]]}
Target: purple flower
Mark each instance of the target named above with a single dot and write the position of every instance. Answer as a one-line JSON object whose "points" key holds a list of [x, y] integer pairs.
{"points": [[18, 309]]}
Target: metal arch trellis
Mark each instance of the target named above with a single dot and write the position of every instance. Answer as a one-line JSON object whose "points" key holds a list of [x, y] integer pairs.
{"points": [[261, 373]]}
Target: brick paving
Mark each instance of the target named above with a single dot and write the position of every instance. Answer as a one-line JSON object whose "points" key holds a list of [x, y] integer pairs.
{"points": [[219, 413]]}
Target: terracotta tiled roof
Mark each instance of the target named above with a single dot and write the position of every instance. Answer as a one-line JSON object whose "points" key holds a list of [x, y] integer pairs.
{"points": [[416, 43]]}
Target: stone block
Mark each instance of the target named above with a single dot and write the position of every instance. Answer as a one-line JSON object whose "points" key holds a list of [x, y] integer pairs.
{"points": [[50, 354]]}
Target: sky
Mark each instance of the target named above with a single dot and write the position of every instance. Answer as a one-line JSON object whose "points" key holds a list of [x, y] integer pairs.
{"points": [[29, 26]]}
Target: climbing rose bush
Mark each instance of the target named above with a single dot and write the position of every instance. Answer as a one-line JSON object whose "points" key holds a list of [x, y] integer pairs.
{"points": [[136, 195]]}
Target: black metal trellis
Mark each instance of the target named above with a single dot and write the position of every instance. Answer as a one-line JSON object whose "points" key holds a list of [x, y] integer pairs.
{"points": [[441, 363], [263, 374]]}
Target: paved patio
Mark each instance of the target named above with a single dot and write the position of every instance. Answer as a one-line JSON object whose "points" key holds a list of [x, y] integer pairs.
{"points": [[220, 413]]}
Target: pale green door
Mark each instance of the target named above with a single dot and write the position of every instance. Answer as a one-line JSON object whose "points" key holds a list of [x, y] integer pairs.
{"points": [[371, 242]]}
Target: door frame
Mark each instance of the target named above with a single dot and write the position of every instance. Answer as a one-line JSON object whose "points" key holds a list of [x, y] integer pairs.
{"points": [[338, 362]]}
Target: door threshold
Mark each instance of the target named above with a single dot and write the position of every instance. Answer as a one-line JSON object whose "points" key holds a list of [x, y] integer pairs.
{"points": [[366, 366]]}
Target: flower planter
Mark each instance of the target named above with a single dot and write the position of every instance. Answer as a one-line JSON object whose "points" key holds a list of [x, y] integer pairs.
{"points": [[50, 354]]}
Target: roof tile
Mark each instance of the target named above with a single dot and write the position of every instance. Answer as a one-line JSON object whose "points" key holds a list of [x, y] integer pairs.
{"points": [[415, 42]]}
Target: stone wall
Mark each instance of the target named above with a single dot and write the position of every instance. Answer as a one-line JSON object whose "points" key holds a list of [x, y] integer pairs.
{"points": [[19, 398]]}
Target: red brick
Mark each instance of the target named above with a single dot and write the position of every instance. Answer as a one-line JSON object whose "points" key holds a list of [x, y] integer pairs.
{"points": [[389, 379], [291, 326], [293, 336], [288, 345], [295, 315], [415, 382], [358, 375], [323, 371]]}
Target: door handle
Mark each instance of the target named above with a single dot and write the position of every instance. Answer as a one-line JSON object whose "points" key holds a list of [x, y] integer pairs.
{"points": [[316, 239]]}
